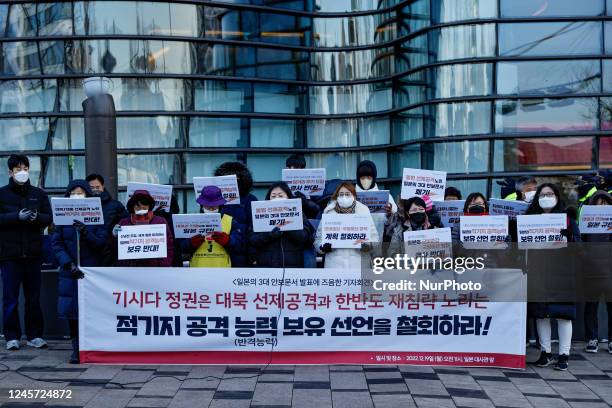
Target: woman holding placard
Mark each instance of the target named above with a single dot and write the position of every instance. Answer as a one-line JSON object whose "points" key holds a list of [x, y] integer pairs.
{"points": [[90, 245], [411, 216], [215, 249], [281, 249], [140, 207], [549, 268], [344, 201]]}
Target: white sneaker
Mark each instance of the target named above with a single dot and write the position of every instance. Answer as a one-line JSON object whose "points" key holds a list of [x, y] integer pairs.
{"points": [[12, 345], [610, 347], [592, 346], [38, 343]]}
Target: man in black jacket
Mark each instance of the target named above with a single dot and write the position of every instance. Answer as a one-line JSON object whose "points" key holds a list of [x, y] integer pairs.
{"points": [[112, 209], [24, 214]]}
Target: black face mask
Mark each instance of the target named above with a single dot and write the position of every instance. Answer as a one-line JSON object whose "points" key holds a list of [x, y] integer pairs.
{"points": [[418, 218], [476, 209]]}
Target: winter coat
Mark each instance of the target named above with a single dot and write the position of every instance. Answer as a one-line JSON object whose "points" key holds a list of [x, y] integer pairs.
{"points": [[64, 246], [113, 210], [241, 213], [153, 262], [394, 233], [345, 258], [22, 239], [375, 188], [275, 250]]}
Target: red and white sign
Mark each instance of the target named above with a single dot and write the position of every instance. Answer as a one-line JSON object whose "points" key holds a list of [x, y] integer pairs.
{"points": [[231, 316]]}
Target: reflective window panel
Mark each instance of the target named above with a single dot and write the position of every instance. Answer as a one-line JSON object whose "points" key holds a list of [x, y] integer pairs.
{"points": [[149, 132], [148, 168], [465, 41], [407, 156], [545, 115], [223, 96], [204, 165], [39, 19], [605, 152], [530, 154], [462, 118], [218, 132], [551, 8], [457, 157], [61, 170], [25, 96], [447, 11], [276, 133]]}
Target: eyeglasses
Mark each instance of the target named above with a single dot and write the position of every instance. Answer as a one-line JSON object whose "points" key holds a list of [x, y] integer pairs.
{"points": [[547, 195], [345, 195]]}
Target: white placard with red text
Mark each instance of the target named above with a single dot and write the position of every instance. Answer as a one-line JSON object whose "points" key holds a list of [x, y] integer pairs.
{"points": [[375, 200], [450, 211], [231, 316], [434, 243], [417, 182], [227, 184], [68, 210], [284, 214], [161, 193], [596, 219], [511, 208], [541, 231], [346, 230], [190, 225], [484, 231], [142, 242], [310, 182]]}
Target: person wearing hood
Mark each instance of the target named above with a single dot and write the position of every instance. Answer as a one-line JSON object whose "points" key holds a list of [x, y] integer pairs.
{"points": [[140, 207], [215, 250], [113, 210], [597, 277], [344, 201], [91, 242], [366, 181], [546, 265], [281, 249], [241, 213], [24, 214], [412, 216]]}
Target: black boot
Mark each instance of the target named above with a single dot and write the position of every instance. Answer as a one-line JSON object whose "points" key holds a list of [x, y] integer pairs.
{"points": [[74, 357]]}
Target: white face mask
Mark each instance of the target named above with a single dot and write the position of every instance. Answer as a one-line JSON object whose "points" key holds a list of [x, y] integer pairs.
{"points": [[345, 202], [21, 176], [209, 211], [366, 182], [277, 198], [141, 212], [529, 196], [77, 195], [547, 202]]}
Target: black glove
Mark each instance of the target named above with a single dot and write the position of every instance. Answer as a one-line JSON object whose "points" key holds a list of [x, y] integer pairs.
{"points": [[24, 214], [566, 233], [75, 272], [299, 194], [33, 216], [365, 247], [326, 248], [276, 233], [79, 226]]}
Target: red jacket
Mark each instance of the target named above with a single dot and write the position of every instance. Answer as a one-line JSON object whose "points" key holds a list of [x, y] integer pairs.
{"points": [[154, 262]]}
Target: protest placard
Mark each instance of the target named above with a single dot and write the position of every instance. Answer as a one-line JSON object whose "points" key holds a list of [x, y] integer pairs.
{"points": [[450, 211], [484, 232], [433, 243], [541, 231], [417, 182], [284, 214], [346, 230], [86, 210], [511, 208], [310, 182], [190, 225], [161, 193], [596, 219], [142, 242], [375, 200], [227, 184]]}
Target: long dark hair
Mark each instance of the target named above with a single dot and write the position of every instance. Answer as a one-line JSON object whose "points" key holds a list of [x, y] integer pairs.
{"points": [[283, 186], [472, 197], [534, 207]]}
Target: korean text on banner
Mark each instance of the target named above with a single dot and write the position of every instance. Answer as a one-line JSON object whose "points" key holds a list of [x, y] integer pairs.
{"points": [[375, 200], [541, 231], [346, 230], [488, 231], [596, 219], [284, 214], [189, 225], [142, 242], [511, 208], [227, 184], [310, 182], [417, 182], [161, 193], [86, 210]]}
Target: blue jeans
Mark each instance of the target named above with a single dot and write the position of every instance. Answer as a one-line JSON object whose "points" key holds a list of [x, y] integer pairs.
{"points": [[16, 273]]}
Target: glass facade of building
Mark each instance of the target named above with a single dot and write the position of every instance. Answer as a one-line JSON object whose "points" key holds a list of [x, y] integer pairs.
{"points": [[482, 89]]}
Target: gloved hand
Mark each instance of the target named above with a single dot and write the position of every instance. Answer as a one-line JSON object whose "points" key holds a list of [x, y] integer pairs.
{"points": [[326, 248], [197, 241], [221, 238], [365, 247], [24, 214], [79, 226], [75, 272], [276, 233], [116, 230], [388, 209], [33, 216], [565, 233]]}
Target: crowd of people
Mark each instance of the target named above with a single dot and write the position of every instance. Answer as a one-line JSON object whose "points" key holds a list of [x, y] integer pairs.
{"points": [[25, 215]]}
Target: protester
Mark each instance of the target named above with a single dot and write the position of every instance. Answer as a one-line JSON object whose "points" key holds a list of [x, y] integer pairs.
{"points": [[24, 214], [215, 249], [91, 242], [451, 194], [366, 181], [526, 188], [344, 201], [140, 206], [547, 200], [411, 216], [295, 161], [113, 210], [241, 213], [160, 211], [311, 209], [597, 268], [476, 204], [281, 249]]}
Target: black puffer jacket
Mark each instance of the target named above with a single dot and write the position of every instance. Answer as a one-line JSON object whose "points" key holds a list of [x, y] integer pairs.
{"points": [[113, 210], [266, 247], [22, 239]]}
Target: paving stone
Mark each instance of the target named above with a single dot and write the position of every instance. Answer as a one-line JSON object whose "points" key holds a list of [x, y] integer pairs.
{"points": [[351, 399], [573, 390], [426, 387], [393, 401], [111, 399], [191, 399], [272, 394], [147, 402], [160, 387], [307, 398], [348, 380], [423, 402], [311, 373], [238, 384]]}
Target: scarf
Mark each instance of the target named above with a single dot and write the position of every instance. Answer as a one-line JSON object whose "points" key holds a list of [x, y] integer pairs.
{"points": [[142, 219], [348, 210]]}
